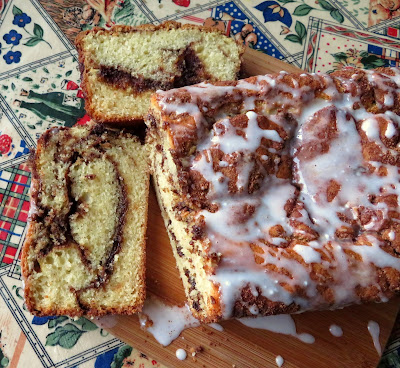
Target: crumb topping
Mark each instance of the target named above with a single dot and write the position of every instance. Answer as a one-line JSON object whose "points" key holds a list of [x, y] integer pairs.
{"points": [[295, 182]]}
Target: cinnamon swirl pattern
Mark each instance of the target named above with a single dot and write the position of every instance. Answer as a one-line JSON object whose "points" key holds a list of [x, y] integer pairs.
{"points": [[84, 253]]}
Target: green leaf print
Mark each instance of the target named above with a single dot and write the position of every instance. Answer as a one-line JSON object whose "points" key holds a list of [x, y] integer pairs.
{"points": [[33, 41], [372, 61], [122, 353], [287, 1], [128, 14], [68, 73], [53, 85], [13, 86], [3, 359], [86, 324], [55, 322], [65, 336], [19, 292], [27, 79], [46, 70], [302, 9], [38, 31], [5, 88], [293, 38], [4, 362], [16, 10], [339, 56], [300, 30], [335, 14], [325, 5], [35, 86]]}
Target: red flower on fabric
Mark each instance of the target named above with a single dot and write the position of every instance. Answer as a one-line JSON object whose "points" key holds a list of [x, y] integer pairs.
{"points": [[5, 144], [83, 120], [184, 3]]}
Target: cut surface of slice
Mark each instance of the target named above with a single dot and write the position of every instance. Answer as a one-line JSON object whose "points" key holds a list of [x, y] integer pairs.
{"points": [[85, 249], [123, 66]]}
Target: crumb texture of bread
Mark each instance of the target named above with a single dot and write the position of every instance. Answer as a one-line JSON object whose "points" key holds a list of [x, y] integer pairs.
{"points": [[280, 193], [123, 66], [85, 249]]}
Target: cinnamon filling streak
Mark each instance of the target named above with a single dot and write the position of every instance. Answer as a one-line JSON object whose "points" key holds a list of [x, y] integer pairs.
{"points": [[189, 70], [57, 226]]}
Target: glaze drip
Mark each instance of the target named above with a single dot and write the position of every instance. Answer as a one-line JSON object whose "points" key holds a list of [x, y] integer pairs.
{"points": [[296, 182]]}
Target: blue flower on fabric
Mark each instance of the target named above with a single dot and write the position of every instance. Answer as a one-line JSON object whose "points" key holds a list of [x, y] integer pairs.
{"points": [[42, 320], [105, 360], [12, 37], [272, 12], [12, 57], [21, 20]]}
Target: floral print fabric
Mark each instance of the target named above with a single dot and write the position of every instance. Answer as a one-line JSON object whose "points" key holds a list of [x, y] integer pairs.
{"points": [[39, 88]]}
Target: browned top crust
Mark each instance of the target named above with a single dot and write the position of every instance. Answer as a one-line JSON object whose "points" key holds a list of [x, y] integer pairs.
{"points": [[117, 29], [292, 180]]}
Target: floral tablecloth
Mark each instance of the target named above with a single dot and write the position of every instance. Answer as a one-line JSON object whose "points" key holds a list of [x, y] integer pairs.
{"points": [[39, 88]]}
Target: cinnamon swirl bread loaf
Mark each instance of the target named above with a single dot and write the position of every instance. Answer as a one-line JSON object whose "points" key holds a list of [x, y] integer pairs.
{"points": [[280, 193], [122, 67], [85, 249]]}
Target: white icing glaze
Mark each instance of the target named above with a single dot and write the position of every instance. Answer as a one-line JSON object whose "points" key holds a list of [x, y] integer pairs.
{"points": [[225, 138], [336, 330], [390, 130], [216, 326], [340, 162], [181, 354], [279, 361], [253, 309], [269, 211], [307, 253], [380, 82], [374, 330], [106, 321], [165, 322], [282, 323]]}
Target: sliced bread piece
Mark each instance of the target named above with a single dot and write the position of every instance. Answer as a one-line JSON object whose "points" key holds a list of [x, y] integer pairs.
{"points": [[123, 66], [85, 249]]}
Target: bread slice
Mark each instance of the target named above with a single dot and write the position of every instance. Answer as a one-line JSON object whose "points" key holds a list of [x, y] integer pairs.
{"points": [[84, 253], [122, 67], [280, 193]]}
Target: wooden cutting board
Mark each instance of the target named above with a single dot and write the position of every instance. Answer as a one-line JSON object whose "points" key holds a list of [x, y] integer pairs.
{"points": [[239, 346]]}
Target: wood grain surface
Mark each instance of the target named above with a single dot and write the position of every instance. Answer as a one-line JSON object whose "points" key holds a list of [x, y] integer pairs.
{"points": [[256, 63]]}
